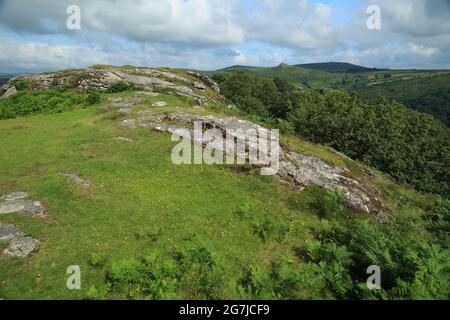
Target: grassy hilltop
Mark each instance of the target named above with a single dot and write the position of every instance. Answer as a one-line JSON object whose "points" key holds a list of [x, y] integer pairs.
{"points": [[148, 229]]}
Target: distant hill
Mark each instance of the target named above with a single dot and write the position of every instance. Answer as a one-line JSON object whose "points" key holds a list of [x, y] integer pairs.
{"points": [[336, 67], [303, 77]]}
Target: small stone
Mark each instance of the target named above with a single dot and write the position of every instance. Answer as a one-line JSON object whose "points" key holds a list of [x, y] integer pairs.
{"points": [[159, 104], [128, 123], [19, 244], [15, 196], [125, 139], [76, 179], [125, 110], [9, 232]]}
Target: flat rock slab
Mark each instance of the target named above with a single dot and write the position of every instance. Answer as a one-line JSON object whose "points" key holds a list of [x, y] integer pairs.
{"points": [[132, 100], [76, 179], [124, 139], [299, 169], [14, 196], [16, 202], [125, 110], [128, 123], [151, 94], [19, 244], [159, 104]]}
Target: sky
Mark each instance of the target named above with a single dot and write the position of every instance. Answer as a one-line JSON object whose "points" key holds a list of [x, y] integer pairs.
{"points": [[213, 34]]}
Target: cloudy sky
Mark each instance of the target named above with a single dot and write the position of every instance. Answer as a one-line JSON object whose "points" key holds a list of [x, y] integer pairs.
{"points": [[211, 34]]}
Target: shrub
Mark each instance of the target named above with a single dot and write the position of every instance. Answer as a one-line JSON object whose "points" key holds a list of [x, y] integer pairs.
{"points": [[438, 222], [327, 204], [23, 84], [412, 147], [94, 294], [153, 277], [151, 236], [193, 273], [40, 102], [271, 229], [93, 97], [411, 268], [283, 280], [284, 126], [118, 87], [97, 260], [246, 211]]}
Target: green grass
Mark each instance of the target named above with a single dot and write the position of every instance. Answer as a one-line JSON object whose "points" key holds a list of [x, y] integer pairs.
{"points": [[136, 190], [200, 231]]}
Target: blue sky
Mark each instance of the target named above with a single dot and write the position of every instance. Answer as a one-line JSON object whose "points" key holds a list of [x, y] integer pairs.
{"points": [[211, 34]]}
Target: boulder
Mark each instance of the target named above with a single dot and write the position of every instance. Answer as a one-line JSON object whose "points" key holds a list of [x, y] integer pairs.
{"points": [[19, 244], [208, 81], [16, 202], [298, 169], [9, 92]]}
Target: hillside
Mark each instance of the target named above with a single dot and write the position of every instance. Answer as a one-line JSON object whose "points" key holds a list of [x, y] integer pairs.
{"points": [[89, 181], [303, 77], [410, 87], [340, 67]]}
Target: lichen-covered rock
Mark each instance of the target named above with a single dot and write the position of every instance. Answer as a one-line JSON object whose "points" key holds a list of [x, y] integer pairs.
{"points": [[14, 196], [19, 244], [209, 82], [16, 202], [145, 78], [296, 168], [308, 170], [186, 92], [9, 92], [159, 104]]}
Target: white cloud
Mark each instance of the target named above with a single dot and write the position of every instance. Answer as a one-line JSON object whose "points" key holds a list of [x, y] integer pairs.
{"points": [[293, 23], [209, 34], [240, 58], [36, 57], [415, 17], [200, 22], [421, 50]]}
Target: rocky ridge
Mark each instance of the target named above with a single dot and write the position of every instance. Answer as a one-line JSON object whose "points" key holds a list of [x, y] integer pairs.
{"points": [[192, 84], [298, 169]]}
